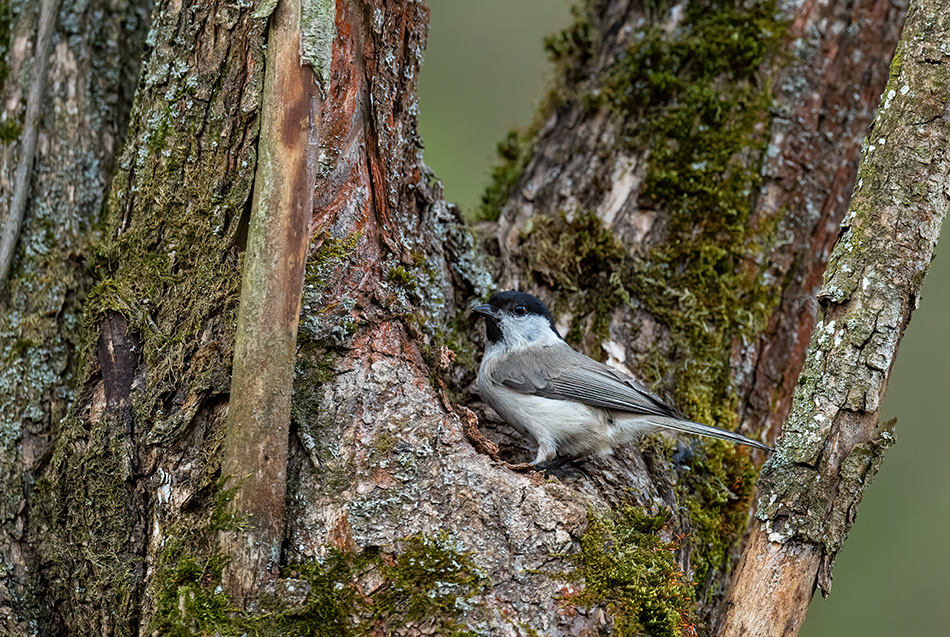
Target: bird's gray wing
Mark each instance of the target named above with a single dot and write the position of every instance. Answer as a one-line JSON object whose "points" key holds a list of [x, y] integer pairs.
{"points": [[561, 373]]}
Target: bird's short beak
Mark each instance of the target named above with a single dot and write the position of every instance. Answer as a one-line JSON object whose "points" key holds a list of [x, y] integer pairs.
{"points": [[486, 309]]}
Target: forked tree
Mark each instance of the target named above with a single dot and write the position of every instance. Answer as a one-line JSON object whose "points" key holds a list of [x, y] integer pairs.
{"points": [[237, 357]]}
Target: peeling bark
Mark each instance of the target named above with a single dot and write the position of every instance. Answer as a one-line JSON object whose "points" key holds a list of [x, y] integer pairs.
{"points": [[833, 442]]}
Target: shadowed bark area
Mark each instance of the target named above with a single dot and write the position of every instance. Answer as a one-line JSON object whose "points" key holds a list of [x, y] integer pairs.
{"points": [[834, 443]]}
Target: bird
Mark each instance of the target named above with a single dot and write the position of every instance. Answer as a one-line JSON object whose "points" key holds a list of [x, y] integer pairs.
{"points": [[569, 404]]}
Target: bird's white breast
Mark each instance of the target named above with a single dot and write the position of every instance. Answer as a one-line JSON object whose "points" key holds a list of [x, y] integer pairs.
{"points": [[557, 425]]}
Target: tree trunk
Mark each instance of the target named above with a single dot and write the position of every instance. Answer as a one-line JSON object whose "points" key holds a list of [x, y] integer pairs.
{"points": [[92, 71], [676, 202], [834, 443], [678, 205]]}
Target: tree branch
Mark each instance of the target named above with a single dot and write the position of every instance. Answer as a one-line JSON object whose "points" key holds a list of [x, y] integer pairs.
{"points": [[255, 455], [833, 443], [21, 189]]}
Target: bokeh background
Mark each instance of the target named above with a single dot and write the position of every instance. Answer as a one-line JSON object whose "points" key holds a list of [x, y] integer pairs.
{"points": [[485, 72]]}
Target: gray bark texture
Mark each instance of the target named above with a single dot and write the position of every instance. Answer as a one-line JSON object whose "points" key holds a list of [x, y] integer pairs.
{"points": [[92, 71], [833, 442], [675, 201]]}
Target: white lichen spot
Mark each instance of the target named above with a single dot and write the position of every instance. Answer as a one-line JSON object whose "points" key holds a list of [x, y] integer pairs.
{"points": [[905, 90], [891, 94]]}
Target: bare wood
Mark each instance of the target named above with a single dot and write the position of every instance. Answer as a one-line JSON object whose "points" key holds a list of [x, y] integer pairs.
{"points": [[833, 443], [255, 451], [21, 188]]}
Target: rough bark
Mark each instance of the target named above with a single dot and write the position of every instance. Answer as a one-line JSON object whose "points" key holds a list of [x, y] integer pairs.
{"points": [[395, 522], [105, 506], [91, 77], [709, 297], [27, 137], [833, 442]]}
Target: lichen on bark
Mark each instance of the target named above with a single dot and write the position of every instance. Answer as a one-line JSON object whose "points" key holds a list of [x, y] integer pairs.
{"points": [[169, 264], [655, 210]]}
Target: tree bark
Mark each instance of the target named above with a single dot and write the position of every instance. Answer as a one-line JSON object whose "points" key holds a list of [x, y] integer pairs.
{"points": [[833, 442], [707, 296], [395, 523], [92, 70]]}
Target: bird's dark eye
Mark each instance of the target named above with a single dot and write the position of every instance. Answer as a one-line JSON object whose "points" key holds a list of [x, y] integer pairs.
{"points": [[521, 310]]}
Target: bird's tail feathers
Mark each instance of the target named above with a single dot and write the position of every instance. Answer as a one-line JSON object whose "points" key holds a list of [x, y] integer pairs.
{"points": [[690, 427]]}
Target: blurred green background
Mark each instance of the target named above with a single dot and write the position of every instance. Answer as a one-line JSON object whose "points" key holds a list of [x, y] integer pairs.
{"points": [[485, 71]]}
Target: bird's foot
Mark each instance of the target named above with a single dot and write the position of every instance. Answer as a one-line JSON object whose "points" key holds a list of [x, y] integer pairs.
{"points": [[521, 466], [560, 467]]}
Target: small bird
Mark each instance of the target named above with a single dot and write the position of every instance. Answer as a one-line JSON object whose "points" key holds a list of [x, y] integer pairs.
{"points": [[567, 402]]}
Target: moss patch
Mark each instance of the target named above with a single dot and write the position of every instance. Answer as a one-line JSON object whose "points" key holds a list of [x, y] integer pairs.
{"points": [[328, 323], [694, 101], [627, 567], [429, 581], [426, 582], [96, 563], [515, 151], [705, 108], [585, 263], [9, 129], [715, 489]]}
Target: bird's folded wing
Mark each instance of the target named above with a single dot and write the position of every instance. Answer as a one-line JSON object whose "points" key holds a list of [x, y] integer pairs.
{"points": [[563, 374]]}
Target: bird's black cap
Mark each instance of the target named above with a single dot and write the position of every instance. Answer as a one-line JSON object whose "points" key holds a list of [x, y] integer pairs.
{"points": [[514, 303]]}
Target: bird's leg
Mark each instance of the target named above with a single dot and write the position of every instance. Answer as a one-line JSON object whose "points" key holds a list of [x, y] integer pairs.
{"points": [[547, 451], [551, 465]]}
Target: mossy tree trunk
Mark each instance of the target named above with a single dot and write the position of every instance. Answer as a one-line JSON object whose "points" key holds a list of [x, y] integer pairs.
{"points": [[677, 199], [92, 72], [834, 442], [692, 167]]}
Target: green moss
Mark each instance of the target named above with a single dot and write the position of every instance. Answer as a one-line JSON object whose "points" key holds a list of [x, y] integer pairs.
{"points": [[515, 151], [332, 254], [575, 43], [716, 489], [695, 102], [427, 581], [401, 276], [706, 108], [627, 567], [96, 562], [585, 263], [9, 129], [170, 264], [696, 99]]}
